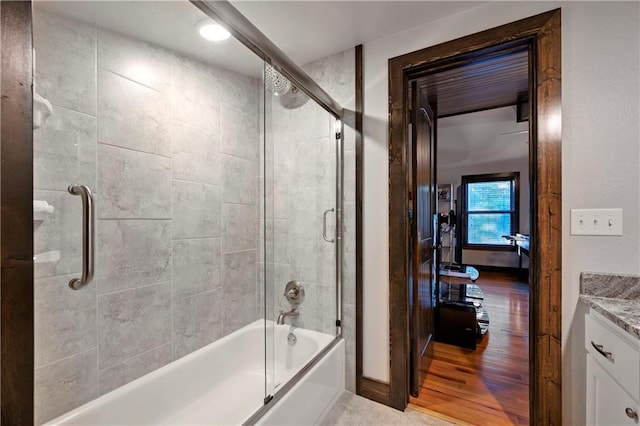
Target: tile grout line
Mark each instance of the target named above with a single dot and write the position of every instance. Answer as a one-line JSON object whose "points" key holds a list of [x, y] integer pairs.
{"points": [[109, 293], [195, 182], [65, 358], [130, 79], [139, 151], [134, 357]]}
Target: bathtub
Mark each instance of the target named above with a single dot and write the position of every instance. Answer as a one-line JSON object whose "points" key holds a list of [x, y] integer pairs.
{"points": [[224, 383]]}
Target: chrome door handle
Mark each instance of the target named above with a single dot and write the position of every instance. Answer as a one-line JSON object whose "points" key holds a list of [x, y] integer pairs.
{"points": [[601, 351], [87, 236], [324, 226]]}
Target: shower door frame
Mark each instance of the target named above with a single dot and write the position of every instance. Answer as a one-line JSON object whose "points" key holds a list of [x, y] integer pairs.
{"points": [[16, 196]]}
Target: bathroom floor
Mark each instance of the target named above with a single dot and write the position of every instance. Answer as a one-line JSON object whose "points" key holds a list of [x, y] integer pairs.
{"points": [[352, 409]]}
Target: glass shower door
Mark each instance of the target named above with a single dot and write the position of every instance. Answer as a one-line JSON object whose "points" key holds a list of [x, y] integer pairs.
{"points": [[300, 174]]}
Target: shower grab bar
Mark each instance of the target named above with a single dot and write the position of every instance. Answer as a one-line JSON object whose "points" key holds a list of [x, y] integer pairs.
{"points": [[87, 236], [324, 225]]}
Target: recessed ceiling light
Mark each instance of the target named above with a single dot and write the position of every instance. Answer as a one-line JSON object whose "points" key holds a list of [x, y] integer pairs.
{"points": [[211, 31]]}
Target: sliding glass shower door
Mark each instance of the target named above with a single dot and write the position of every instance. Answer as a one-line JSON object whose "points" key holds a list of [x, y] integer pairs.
{"points": [[301, 154]]}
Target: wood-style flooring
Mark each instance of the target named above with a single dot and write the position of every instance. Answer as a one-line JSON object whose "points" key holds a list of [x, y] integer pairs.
{"points": [[488, 386]]}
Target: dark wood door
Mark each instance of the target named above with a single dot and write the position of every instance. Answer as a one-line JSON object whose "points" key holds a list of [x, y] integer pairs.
{"points": [[423, 237]]}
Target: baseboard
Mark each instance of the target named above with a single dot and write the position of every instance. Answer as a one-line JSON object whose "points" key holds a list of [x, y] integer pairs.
{"points": [[503, 269], [375, 390]]}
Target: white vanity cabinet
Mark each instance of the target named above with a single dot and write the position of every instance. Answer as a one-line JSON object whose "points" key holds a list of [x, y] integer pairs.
{"points": [[613, 373]]}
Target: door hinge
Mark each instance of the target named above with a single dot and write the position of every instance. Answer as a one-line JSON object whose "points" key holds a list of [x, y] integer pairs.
{"points": [[338, 323]]}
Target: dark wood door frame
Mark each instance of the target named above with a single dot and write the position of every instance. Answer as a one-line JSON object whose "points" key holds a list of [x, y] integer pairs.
{"points": [[16, 222], [542, 33]]}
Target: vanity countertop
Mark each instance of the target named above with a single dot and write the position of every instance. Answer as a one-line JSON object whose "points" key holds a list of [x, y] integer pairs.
{"points": [[616, 297]]}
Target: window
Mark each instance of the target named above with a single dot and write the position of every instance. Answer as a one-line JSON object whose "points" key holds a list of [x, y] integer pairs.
{"points": [[490, 210]]}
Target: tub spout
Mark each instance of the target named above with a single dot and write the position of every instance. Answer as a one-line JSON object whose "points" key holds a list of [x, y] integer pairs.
{"points": [[283, 315]]}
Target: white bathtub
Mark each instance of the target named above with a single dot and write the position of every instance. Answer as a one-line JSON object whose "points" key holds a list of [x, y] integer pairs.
{"points": [[224, 383]]}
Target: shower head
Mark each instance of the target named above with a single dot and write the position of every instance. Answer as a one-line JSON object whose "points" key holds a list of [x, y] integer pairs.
{"points": [[275, 82], [288, 94], [294, 98]]}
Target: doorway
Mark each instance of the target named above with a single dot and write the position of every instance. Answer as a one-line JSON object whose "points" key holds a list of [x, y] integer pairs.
{"points": [[478, 328], [540, 37]]}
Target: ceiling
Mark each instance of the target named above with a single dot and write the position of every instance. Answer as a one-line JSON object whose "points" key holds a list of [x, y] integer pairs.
{"points": [[490, 82], [171, 24], [310, 30], [482, 137], [304, 30]]}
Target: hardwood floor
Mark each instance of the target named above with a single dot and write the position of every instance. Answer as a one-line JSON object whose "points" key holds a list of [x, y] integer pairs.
{"points": [[488, 386]]}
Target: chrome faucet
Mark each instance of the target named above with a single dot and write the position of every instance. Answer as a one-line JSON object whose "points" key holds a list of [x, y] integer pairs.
{"points": [[294, 293], [292, 313]]}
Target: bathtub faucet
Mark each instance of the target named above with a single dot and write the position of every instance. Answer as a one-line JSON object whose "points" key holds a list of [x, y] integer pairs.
{"points": [[292, 313]]}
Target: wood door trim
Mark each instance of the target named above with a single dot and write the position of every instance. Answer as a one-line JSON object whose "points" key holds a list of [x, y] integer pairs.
{"points": [[361, 387], [374, 390], [16, 222], [543, 33]]}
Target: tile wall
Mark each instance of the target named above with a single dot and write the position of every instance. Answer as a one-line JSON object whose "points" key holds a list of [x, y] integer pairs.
{"points": [[169, 146], [336, 74]]}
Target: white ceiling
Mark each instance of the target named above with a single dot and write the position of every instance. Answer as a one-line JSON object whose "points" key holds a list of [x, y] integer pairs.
{"points": [[304, 30], [310, 30], [480, 137]]}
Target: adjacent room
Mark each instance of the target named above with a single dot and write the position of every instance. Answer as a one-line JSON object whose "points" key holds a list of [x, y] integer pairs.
{"points": [[469, 313]]}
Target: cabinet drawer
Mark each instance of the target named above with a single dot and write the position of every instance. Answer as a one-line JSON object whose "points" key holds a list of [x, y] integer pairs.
{"points": [[613, 352]]}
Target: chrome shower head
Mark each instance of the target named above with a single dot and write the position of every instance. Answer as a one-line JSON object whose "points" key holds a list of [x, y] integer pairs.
{"points": [[275, 82]]}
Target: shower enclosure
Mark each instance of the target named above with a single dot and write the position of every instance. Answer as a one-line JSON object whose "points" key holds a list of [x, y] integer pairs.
{"points": [[179, 186]]}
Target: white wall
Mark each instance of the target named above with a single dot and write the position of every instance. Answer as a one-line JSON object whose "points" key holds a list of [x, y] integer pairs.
{"points": [[600, 69], [480, 143]]}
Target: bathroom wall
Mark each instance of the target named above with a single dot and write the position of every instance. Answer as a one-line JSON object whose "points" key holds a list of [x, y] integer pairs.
{"points": [[169, 146], [600, 151], [302, 175]]}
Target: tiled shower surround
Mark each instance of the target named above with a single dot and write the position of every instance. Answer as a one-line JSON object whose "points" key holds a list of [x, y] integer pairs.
{"points": [[171, 148]]}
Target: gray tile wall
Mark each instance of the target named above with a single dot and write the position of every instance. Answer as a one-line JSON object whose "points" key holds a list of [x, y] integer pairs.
{"points": [[336, 74], [170, 148]]}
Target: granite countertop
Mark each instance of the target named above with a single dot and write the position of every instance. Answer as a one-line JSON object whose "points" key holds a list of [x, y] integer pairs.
{"points": [[616, 297]]}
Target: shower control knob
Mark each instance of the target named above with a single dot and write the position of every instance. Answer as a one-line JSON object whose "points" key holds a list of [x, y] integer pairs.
{"points": [[294, 292]]}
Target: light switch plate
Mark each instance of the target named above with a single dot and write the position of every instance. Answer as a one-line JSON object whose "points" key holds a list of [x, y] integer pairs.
{"points": [[596, 221]]}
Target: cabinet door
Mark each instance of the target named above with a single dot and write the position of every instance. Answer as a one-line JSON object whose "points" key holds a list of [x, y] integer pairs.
{"points": [[607, 401]]}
